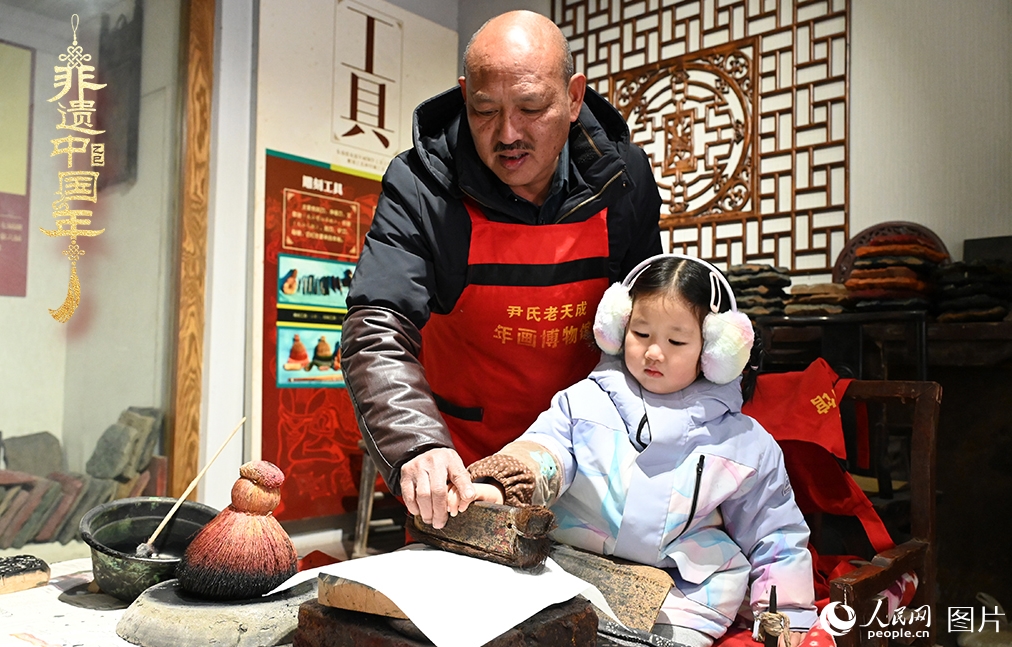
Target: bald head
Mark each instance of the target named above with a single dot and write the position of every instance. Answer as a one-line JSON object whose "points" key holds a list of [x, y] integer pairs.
{"points": [[515, 35], [521, 97]]}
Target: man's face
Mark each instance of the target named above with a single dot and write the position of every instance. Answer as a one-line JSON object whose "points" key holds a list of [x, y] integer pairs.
{"points": [[519, 110]]}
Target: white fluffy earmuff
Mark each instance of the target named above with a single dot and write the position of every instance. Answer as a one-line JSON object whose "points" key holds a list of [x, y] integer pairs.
{"points": [[727, 336]]}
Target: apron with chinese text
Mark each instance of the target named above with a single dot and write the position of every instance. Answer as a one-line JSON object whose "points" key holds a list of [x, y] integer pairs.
{"points": [[521, 330]]}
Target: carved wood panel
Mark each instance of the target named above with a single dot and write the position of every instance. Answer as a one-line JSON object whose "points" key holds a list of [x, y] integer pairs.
{"points": [[742, 106], [184, 439]]}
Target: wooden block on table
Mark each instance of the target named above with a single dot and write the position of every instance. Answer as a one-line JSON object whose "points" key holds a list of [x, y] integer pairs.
{"points": [[71, 489], [139, 484], [145, 427], [51, 492], [634, 592], [571, 623], [124, 488], [20, 495], [154, 437], [36, 453], [502, 534], [7, 496], [11, 477], [113, 453], [109, 494], [12, 482], [99, 491], [78, 502], [345, 594], [22, 572], [19, 518], [158, 466]]}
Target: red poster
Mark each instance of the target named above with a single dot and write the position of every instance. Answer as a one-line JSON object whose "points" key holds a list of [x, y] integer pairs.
{"points": [[316, 218], [15, 167], [13, 244]]}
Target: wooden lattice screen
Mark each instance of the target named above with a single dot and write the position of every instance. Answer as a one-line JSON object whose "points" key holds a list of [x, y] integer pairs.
{"points": [[742, 106]]}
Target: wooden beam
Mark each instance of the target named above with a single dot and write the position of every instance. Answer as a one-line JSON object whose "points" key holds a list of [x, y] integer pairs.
{"points": [[184, 421]]}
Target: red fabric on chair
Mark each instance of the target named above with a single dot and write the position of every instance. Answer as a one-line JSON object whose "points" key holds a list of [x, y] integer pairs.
{"points": [[742, 637], [800, 410], [738, 637], [818, 637], [802, 406], [828, 488]]}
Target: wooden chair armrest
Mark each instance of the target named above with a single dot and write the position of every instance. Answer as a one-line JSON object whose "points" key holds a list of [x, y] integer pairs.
{"points": [[885, 568], [858, 588]]}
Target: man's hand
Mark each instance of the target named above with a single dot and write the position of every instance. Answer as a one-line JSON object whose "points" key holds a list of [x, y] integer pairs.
{"points": [[425, 480]]}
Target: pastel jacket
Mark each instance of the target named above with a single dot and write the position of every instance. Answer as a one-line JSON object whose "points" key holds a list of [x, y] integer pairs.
{"points": [[682, 481]]}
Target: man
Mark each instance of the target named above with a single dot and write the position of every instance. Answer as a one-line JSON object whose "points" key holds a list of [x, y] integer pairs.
{"points": [[493, 241]]}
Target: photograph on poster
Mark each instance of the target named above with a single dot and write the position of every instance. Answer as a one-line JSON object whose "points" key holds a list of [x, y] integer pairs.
{"points": [[305, 281], [309, 357]]}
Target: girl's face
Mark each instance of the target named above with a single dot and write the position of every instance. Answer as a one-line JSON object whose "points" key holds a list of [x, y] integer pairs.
{"points": [[662, 344]]}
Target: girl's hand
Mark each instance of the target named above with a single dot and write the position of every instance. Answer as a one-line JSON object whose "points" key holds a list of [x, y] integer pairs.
{"points": [[796, 638], [482, 492]]}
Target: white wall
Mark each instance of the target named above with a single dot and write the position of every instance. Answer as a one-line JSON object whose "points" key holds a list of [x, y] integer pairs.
{"points": [[289, 92], [33, 346], [931, 116], [294, 104], [441, 12], [229, 230], [119, 342], [74, 379]]}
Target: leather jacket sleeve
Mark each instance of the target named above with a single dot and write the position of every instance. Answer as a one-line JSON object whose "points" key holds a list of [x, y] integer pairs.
{"points": [[393, 403]]}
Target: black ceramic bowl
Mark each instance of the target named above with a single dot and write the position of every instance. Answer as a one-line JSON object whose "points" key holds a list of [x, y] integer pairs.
{"points": [[114, 530]]}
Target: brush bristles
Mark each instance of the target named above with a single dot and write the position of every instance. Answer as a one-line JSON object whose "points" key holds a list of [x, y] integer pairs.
{"points": [[243, 552], [237, 556], [535, 520]]}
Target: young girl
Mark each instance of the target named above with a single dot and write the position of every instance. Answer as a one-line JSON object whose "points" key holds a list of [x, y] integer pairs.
{"points": [[650, 458]]}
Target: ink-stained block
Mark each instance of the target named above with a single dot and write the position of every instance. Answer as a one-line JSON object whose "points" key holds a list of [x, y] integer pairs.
{"points": [[570, 623]]}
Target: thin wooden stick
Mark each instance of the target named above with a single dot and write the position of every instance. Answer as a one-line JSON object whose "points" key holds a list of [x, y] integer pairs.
{"points": [[189, 488]]}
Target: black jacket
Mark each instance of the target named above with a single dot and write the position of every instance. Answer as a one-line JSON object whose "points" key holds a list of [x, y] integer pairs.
{"points": [[414, 261]]}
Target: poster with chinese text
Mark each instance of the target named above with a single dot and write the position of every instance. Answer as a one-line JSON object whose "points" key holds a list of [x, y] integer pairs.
{"points": [[315, 220]]}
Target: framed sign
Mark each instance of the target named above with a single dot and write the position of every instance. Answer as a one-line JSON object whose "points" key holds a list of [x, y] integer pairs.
{"points": [[315, 220]]}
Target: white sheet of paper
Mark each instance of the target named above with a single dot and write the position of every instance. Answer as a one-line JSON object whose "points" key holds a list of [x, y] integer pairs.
{"points": [[39, 617], [459, 601]]}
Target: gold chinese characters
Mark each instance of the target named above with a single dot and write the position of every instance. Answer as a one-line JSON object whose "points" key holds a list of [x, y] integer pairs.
{"points": [[573, 325], [75, 79]]}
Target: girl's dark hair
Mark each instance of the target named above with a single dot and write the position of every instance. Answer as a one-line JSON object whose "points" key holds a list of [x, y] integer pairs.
{"points": [[690, 281]]}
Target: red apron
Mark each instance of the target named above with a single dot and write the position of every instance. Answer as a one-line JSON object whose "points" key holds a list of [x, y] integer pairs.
{"points": [[520, 331]]}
